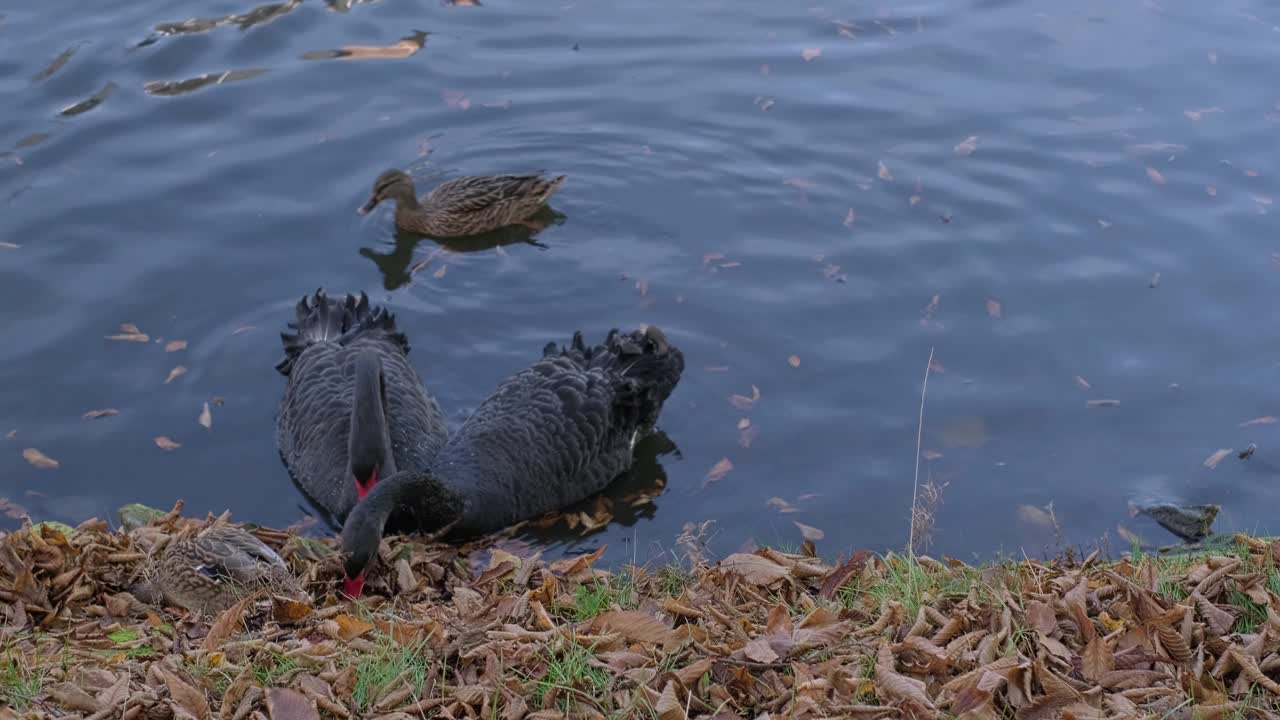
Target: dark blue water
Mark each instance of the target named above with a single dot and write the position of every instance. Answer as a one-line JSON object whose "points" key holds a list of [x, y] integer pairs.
{"points": [[761, 179]]}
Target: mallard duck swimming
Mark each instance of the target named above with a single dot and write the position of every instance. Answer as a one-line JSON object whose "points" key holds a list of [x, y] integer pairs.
{"points": [[549, 436], [354, 410], [466, 205], [214, 570]]}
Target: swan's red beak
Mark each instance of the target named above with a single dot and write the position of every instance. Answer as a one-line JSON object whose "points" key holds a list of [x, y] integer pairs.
{"points": [[363, 488], [353, 586], [368, 207]]}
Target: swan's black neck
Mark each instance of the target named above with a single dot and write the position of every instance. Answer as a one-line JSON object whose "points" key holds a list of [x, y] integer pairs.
{"points": [[418, 499], [369, 446]]}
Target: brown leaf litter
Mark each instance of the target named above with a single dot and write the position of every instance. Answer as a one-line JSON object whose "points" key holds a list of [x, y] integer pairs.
{"points": [[478, 632]]}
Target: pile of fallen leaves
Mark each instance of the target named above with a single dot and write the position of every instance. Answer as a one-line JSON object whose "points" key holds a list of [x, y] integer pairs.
{"points": [[481, 632]]}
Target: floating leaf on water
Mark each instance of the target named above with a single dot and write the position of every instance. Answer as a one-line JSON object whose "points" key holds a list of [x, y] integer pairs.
{"points": [[456, 99], [9, 246], [718, 471], [439, 273], [809, 532], [1198, 114], [994, 309], [1217, 457], [175, 373], [206, 417], [1211, 190], [1082, 383], [746, 436], [1155, 176], [967, 146], [810, 53], [1103, 403], [242, 329], [168, 88], [883, 172], [90, 102], [130, 333], [104, 412], [406, 47], [848, 218], [965, 432], [1155, 281], [926, 315], [175, 345], [744, 423], [39, 459], [794, 361], [1266, 420], [931, 455], [781, 505], [1248, 452], [165, 443], [1033, 515], [742, 402]]}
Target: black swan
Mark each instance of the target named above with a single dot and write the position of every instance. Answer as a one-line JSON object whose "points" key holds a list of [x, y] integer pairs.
{"points": [[550, 435], [354, 410]]}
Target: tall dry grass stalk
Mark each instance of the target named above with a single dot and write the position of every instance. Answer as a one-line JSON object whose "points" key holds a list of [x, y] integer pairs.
{"points": [[915, 485]]}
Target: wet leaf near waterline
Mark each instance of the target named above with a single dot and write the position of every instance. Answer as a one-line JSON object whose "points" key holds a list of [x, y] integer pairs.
{"points": [[175, 373], [1155, 176], [1104, 402], [742, 402], [1082, 383], [794, 361], [175, 345], [810, 532], [206, 417], [1265, 420], [967, 146], [90, 102], [13, 510], [166, 443], [1033, 515], [39, 459], [130, 333], [104, 412], [883, 172], [169, 88], [810, 54], [1218, 456], [994, 309], [718, 471], [849, 218], [406, 47]]}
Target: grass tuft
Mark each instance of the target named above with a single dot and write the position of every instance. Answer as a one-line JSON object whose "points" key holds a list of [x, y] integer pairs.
{"points": [[572, 672]]}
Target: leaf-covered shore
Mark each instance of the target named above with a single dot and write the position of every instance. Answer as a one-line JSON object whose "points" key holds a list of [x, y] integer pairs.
{"points": [[478, 632]]}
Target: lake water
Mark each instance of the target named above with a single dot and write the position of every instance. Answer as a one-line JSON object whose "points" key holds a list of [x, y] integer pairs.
{"points": [[1065, 204]]}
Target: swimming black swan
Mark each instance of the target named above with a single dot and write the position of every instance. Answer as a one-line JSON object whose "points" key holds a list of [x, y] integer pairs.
{"points": [[354, 410], [550, 435]]}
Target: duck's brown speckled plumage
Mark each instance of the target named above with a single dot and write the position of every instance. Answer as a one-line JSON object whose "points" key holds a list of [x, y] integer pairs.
{"points": [[214, 570], [463, 206]]}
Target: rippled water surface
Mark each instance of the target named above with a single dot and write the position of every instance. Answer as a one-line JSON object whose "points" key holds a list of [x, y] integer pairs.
{"points": [[1065, 202]]}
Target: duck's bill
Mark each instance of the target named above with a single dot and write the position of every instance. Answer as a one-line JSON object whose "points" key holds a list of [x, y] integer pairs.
{"points": [[367, 207]]}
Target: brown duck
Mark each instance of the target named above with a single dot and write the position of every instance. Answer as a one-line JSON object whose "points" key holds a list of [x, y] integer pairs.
{"points": [[214, 570], [464, 206]]}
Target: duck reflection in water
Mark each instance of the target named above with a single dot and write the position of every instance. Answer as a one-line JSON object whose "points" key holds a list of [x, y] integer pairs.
{"points": [[397, 264]]}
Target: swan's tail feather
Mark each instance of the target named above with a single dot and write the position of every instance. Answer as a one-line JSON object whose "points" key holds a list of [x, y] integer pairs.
{"points": [[645, 365], [322, 319]]}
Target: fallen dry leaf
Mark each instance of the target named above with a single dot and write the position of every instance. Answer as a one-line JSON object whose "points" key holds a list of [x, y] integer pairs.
{"points": [[849, 218], [39, 459], [967, 146], [104, 412], [175, 345], [754, 569], [1267, 420], [350, 628], [165, 443], [781, 505], [883, 172], [175, 373], [810, 53], [206, 417], [634, 625], [186, 697], [287, 704], [1217, 457], [718, 471], [225, 626], [794, 361]]}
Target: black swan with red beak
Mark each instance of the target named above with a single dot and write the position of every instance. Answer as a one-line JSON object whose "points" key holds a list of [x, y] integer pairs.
{"points": [[354, 410], [549, 436]]}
